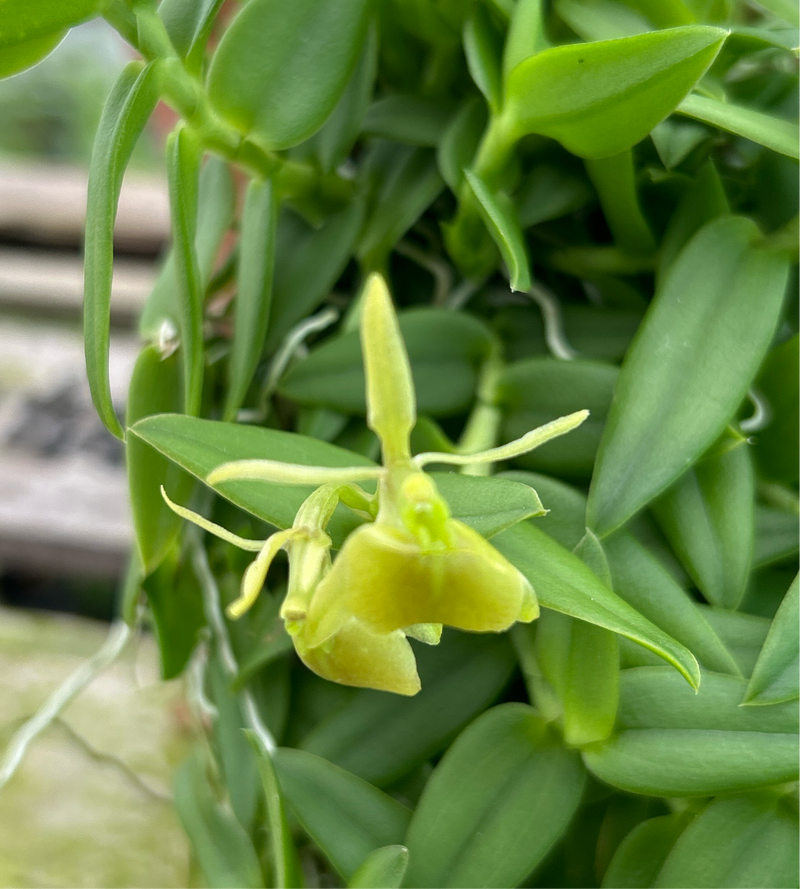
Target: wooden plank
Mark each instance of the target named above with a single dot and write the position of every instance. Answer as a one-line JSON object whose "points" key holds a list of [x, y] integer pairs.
{"points": [[63, 491], [48, 282], [46, 203]]}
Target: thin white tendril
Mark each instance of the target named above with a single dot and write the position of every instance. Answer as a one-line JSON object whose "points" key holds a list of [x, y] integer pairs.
{"points": [[554, 334], [463, 293], [294, 339], [441, 270], [761, 415], [214, 616], [89, 670]]}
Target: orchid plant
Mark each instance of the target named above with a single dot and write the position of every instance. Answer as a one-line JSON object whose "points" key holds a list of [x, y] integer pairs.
{"points": [[411, 568]]}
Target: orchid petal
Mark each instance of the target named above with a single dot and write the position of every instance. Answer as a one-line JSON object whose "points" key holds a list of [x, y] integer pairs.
{"points": [[391, 402], [252, 546], [528, 442], [291, 473], [256, 573]]}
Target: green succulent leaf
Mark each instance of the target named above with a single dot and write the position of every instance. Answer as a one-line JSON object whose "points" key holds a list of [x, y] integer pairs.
{"points": [[708, 517], [497, 802], [127, 110], [775, 674], [25, 22], [155, 388], [188, 22], [600, 99], [215, 205], [641, 855], [385, 868], [689, 367], [184, 154], [384, 737], [299, 286], [21, 56], [224, 851], [736, 842], [254, 296], [672, 742], [564, 583], [347, 817], [771, 132], [483, 50], [643, 582], [409, 120], [500, 217], [304, 54], [445, 350]]}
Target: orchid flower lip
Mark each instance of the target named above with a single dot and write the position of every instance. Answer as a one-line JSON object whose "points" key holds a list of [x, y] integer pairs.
{"points": [[290, 473]]}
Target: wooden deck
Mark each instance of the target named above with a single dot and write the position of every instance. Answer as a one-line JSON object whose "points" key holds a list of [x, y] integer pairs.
{"points": [[63, 492]]}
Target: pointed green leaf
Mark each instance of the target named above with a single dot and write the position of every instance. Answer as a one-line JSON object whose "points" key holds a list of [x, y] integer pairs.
{"points": [[224, 851], [125, 114], [775, 675], [742, 634], [254, 294], [497, 802], [703, 201], [483, 50], [641, 855], [413, 183], [771, 132], [384, 868], [643, 582], [489, 505], [344, 815], [383, 737], [336, 138], [183, 154], [457, 147], [526, 35], [708, 518], [408, 119], [747, 841], [285, 863], [175, 600], [600, 99], [304, 54], [501, 219], [299, 286], [21, 56], [689, 367], [199, 446], [676, 743], [215, 205], [22, 21], [563, 583], [188, 22]]}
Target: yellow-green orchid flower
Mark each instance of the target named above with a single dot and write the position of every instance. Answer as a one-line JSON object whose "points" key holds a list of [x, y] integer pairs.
{"points": [[412, 568]]}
